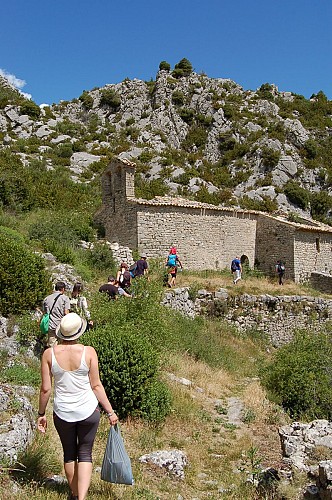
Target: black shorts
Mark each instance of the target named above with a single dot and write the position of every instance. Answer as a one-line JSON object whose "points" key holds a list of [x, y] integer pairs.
{"points": [[172, 271], [77, 438]]}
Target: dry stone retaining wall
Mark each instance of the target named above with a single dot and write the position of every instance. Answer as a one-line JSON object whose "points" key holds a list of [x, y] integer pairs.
{"points": [[277, 317]]}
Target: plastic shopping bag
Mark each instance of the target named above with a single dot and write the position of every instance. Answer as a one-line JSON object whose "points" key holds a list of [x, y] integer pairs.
{"points": [[116, 467]]}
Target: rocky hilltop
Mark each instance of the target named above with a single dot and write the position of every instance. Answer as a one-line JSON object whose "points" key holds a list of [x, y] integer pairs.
{"points": [[191, 135]]}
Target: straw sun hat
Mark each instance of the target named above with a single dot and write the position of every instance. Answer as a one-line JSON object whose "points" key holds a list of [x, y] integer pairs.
{"points": [[71, 327]]}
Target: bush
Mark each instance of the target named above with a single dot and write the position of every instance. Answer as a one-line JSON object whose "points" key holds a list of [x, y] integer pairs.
{"points": [[164, 66], [300, 376], [30, 108], [182, 68], [86, 99], [110, 98], [100, 257], [178, 98], [59, 227], [128, 369], [321, 204], [23, 280], [296, 194], [270, 157], [187, 115], [156, 402]]}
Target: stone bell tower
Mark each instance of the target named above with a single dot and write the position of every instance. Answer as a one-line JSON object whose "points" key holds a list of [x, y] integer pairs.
{"points": [[118, 183]]}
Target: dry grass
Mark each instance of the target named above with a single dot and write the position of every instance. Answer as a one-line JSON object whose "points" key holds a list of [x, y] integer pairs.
{"points": [[249, 284], [215, 449]]}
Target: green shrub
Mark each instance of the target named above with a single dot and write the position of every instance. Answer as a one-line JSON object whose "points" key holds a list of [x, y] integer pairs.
{"points": [[197, 136], [100, 257], [30, 108], [148, 189], [128, 369], [270, 157], [110, 98], [266, 204], [182, 68], [296, 194], [265, 91], [187, 115], [164, 65], [300, 376], [23, 280], [58, 226], [12, 233], [28, 328], [178, 98], [156, 402], [64, 150], [62, 252], [321, 204], [86, 99]]}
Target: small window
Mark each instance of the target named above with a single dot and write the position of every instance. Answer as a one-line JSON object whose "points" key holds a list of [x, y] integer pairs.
{"points": [[317, 245]]}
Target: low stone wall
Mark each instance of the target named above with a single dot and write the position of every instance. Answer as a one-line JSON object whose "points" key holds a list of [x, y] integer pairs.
{"points": [[277, 317], [321, 282]]}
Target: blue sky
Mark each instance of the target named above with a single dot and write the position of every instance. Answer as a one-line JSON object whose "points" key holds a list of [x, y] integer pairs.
{"points": [[61, 47]]}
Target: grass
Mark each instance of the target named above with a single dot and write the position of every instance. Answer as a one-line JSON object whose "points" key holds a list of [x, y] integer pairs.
{"points": [[215, 448], [250, 284]]}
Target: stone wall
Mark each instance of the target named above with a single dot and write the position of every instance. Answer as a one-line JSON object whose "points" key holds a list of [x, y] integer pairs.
{"points": [[205, 239], [274, 241], [321, 282], [312, 252], [276, 317]]}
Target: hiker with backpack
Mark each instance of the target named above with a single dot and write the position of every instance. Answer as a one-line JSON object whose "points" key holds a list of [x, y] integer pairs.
{"points": [[123, 277], [236, 269], [57, 305], [172, 263], [280, 270], [141, 266]]}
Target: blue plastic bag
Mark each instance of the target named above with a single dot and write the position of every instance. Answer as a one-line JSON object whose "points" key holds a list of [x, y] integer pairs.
{"points": [[116, 467]]}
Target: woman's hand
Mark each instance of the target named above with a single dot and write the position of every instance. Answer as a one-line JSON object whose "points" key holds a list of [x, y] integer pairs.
{"points": [[113, 419], [42, 424]]}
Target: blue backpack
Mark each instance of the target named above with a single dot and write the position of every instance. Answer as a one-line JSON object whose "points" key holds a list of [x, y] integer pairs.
{"points": [[171, 260], [132, 270]]}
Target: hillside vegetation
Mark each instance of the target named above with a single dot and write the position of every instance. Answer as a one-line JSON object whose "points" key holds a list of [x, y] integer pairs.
{"points": [[190, 135]]}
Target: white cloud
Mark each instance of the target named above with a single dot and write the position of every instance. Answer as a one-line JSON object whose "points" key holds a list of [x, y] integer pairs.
{"points": [[15, 82]]}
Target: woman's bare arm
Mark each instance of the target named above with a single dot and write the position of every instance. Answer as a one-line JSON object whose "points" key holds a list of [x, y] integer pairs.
{"points": [[45, 389]]}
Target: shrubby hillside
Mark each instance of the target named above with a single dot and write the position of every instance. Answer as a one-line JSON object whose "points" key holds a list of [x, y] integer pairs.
{"points": [[190, 135]]}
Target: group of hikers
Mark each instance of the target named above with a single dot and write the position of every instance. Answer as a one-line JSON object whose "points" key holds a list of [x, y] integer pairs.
{"points": [[236, 270], [73, 367]]}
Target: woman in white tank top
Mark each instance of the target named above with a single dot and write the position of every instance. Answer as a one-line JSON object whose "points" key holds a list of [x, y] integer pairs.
{"points": [[77, 392]]}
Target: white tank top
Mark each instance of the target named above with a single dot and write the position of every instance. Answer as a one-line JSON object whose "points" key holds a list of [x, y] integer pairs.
{"points": [[74, 399]]}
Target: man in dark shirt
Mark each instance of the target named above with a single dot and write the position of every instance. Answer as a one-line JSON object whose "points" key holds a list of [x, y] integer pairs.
{"points": [[142, 266], [110, 288]]}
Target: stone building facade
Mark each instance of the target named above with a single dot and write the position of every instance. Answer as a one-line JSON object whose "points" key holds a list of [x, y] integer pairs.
{"points": [[208, 236]]}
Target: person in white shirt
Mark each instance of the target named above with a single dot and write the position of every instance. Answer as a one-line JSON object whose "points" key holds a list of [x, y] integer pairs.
{"points": [[77, 391]]}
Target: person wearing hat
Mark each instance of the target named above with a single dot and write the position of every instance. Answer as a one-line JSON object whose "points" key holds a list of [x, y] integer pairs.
{"points": [[142, 267], [77, 391]]}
